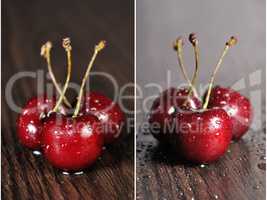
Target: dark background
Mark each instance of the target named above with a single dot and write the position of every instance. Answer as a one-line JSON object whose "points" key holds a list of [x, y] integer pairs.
{"points": [[240, 174], [25, 27]]}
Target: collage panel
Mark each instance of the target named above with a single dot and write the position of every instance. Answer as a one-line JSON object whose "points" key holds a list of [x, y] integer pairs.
{"points": [[183, 143], [67, 124]]}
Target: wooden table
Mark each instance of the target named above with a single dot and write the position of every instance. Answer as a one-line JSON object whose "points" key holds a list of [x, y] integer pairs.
{"points": [[26, 26]]}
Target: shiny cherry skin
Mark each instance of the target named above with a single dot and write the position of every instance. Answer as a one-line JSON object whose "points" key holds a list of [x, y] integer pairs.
{"points": [[29, 122], [237, 106], [165, 107], [108, 112], [202, 136], [72, 144]]}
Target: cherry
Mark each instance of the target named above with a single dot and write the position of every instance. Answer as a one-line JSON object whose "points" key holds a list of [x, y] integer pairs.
{"points": [[237, 106], [75, 142], [29, 122], [107, 111], [175, 100], [165, 107], [72, 144], [203, 136]]}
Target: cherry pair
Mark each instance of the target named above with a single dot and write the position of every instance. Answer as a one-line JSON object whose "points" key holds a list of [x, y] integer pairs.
{"points": [[200, 131], [73, 142]]}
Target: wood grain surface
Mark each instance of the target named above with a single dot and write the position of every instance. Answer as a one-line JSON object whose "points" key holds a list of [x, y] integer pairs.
{"points": [[25, 27]]}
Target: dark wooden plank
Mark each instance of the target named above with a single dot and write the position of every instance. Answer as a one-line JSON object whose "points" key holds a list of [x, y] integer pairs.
{"points": [[25, 27]]}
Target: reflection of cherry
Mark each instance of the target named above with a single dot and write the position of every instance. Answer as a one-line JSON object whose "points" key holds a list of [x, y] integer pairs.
{"points": [[107, 111], [203, 136], [237, 106], [73, 143], [172, 100]]}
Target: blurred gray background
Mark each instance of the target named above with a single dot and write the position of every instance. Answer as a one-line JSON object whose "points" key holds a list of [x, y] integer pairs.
{"points": [[160, 22]]}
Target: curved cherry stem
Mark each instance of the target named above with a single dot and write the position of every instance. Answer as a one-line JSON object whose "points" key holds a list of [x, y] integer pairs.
{"points": [[45, 52], [194, 41], [101, 45], [179, 49], [231, 42], [66, 45]]}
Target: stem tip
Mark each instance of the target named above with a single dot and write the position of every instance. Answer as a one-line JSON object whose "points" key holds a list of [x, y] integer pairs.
{"points": [[46, 48], [66, 44], [193, 38], [178, 43], [232, 41], [101, 45]]}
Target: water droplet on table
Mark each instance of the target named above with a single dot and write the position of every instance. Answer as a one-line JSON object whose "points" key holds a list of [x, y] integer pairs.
{"points": [[263, 157], [65, 173], [256, 187], [37, 153], [78, 173], [262, 166], [202, 166]]}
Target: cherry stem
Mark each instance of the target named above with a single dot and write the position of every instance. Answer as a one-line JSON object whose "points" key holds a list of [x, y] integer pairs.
{"points": [[45, 52], [101, 45], [67, 46], [231, 42], [179, 49], [194, 41]]}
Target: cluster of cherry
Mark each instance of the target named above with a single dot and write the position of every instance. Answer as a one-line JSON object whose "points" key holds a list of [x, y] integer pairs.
{"points": [[70, 143], [200, 131]]}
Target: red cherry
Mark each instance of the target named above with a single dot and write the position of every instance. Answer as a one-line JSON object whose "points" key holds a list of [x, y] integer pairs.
{"points": [[107, 111], [29, 122], [166, 106], [72, 144], [173, 100], [237, 106], [202, 136]]}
